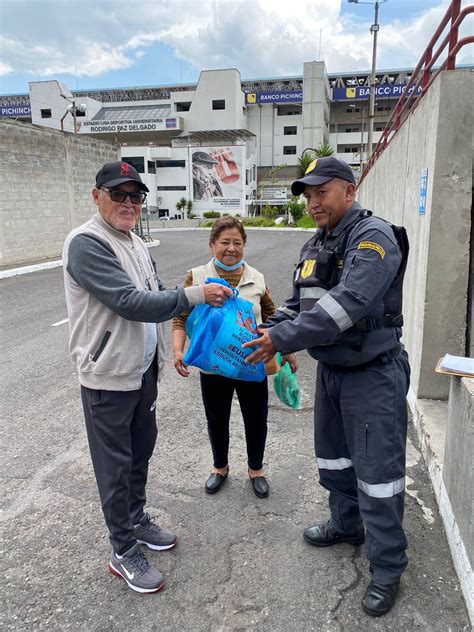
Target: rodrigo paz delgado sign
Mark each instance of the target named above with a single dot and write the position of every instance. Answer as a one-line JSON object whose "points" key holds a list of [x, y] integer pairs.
{"points": [[116, 127]]}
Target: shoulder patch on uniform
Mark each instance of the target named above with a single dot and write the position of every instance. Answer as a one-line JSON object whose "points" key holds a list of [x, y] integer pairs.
{"points": [[370, 245]]}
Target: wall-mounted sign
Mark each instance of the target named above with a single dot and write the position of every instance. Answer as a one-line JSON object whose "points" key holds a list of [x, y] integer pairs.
{"points": [[382, 91], [423, 189], [127, 125], [290, 96], [15, 110]]}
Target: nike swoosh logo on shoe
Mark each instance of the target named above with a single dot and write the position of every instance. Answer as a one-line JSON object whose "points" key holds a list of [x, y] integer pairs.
{"points": [[129, 575]]}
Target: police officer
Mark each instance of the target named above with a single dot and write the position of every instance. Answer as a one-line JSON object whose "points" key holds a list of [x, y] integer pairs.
{"points": [[346, 309]]}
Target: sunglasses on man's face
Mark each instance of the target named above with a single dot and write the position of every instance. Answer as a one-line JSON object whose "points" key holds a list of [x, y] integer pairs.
{"points": [[117, 195]]}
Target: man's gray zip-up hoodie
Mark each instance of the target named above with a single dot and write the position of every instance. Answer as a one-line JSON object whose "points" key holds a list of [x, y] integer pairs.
{"points": [[105, 273]]}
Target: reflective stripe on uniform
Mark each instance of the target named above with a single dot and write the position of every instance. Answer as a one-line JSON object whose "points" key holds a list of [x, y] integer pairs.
{"points": [[288, 312], [382, 490], [336, 311], [312, 292], [334, 464]]}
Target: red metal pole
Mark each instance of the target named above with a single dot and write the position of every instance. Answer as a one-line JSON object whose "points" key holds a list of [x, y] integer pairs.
{"points": [[453, 36]]}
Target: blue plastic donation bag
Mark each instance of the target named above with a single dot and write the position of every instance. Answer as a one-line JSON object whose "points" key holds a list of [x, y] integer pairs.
{"points": [[216, 337]]}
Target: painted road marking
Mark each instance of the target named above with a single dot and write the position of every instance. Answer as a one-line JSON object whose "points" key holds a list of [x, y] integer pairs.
{"points": [[60, 322]]}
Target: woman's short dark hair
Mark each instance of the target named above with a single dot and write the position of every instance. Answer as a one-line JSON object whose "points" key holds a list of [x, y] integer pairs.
{"points": [[224, 223]]}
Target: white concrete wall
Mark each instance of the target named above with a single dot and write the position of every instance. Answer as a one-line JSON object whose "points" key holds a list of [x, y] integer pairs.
{"points": [[437, 136], [315, 104], [215, 85], [47, 178]]}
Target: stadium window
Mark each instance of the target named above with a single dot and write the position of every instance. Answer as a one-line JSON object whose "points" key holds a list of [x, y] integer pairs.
{"points": [[182, 106], [137, 162], [161, 164], [151, 166], [170, 188], [288, 110], [218, 104], [349, 110], [379, 128], [289, 150], [45, 113], [289, 130]]}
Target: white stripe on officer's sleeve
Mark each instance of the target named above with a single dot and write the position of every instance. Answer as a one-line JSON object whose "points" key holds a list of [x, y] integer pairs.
{"points": [[312, 292], [382, 490], [334, 464], [336, 311], [288, 312]]}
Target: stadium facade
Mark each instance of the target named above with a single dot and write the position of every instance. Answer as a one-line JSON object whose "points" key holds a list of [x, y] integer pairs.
{"points": [[223, 143]]}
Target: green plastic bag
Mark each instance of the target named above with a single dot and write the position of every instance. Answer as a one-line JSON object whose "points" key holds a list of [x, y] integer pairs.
{"points": [[286, 385]]}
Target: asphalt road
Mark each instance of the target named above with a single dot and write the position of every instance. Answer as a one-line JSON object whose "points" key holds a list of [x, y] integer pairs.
{"points": [[241, 562]]}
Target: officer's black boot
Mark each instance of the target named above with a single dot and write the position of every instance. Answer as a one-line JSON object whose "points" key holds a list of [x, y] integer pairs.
{"points": [[323, 534], [379, 598]]}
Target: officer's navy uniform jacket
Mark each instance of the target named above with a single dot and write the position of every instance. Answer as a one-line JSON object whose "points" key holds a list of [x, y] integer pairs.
{"points": [[351, 323]]}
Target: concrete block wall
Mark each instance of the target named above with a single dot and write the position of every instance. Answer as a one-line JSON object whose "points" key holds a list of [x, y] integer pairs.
{"points": [[437, 137], [45, 188]]}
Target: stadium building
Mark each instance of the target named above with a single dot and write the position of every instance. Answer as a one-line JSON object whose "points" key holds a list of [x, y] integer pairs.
{"points": [[223, 143]]}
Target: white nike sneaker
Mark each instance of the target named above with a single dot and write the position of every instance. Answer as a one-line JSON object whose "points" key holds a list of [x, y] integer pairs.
{"points": [[135, 569]]}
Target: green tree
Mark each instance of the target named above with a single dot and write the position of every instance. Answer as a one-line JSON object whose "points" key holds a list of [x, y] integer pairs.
{"points": [[321, 151], [270, 212], [181, 205], [296, 208], [189, 208], [303, 162]]}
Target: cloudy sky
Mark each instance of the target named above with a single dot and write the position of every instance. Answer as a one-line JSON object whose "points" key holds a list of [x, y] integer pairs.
{"points": [[112, 43]]}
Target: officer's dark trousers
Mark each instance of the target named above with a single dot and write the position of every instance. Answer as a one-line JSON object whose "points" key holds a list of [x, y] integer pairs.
{"points": [[121, 428], [360, 442]]}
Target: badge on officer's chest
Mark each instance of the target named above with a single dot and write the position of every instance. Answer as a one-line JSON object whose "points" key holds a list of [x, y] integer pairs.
{"points": [[308, 268]]}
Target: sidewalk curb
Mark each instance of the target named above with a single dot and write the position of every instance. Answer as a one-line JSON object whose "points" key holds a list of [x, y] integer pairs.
{"points": [[48, 265]]}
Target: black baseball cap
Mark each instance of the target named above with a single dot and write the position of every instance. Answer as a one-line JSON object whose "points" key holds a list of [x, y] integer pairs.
{"points": [[322, 170], [114, 173], [204, 157]]}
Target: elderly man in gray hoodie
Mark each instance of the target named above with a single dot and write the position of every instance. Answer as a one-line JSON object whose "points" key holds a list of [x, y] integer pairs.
{"points": [[115, 304]]}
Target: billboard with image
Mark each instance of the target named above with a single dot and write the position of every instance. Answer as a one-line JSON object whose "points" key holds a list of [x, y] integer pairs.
{"points": [[218, 178]]}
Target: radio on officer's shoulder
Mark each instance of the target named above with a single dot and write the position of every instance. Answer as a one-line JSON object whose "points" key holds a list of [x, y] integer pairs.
{"points": [[325, 265]]}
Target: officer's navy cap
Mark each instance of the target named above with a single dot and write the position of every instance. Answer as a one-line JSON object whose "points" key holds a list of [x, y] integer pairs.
{"points": [[114, 173], [322, 170]]}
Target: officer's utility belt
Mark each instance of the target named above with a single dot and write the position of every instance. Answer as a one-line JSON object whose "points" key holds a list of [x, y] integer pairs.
{"points": [[383, 358], [389, 320]]}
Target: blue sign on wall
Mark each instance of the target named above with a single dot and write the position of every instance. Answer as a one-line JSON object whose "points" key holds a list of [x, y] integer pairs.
{"points": [[15, 110], [290, 96], [423, 189], [382, 91]]}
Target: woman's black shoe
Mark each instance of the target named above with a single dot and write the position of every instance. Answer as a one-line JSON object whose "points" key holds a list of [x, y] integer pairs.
{"points": [[215, 482], [260, 486]]}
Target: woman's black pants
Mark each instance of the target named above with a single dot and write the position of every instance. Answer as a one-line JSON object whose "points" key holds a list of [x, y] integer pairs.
{"points": [[217, 393]]}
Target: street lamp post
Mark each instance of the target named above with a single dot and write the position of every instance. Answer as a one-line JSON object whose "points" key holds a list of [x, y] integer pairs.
{"points": [[374, 29], [73, 109]]}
